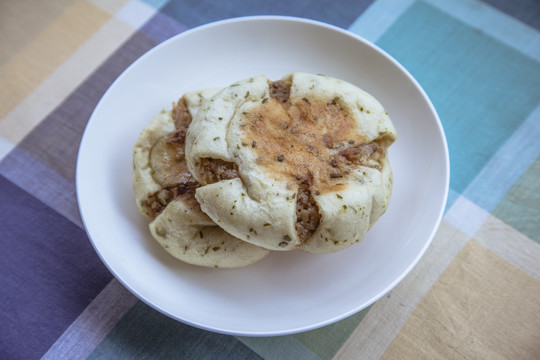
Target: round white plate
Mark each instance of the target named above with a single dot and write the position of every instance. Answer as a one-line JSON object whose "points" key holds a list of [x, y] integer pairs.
{"points": [[286, 292]]}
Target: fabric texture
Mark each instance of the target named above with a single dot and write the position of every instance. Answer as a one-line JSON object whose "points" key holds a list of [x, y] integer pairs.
{"points": [[474, 294]]}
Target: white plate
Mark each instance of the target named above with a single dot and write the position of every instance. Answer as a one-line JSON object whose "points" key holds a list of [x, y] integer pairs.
{"points": [[286, 292]]}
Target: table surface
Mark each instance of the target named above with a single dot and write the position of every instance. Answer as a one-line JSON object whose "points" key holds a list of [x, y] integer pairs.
{"points": [[474, 294]]}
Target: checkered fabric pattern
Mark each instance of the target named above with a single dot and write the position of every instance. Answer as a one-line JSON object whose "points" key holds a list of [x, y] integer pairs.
{"points": [[474, 295]]}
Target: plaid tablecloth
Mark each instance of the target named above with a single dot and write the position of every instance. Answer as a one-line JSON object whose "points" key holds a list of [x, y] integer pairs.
{"points": [[474, 295]]}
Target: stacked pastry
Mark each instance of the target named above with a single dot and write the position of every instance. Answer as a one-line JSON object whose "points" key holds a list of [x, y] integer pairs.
{"points": [[230, 174]]}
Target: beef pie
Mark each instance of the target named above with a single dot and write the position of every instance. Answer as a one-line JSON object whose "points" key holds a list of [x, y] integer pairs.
{"points": [[165, 193], [297, 163]]}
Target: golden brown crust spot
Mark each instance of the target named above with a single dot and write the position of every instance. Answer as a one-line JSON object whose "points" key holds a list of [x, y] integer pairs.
{"points": [[300, 139]]}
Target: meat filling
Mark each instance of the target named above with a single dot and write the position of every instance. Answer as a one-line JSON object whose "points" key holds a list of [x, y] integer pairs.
{"points": [[214, 170], [365, 155], [280, 90], [307, 212], [169, 166], [156, 202]]}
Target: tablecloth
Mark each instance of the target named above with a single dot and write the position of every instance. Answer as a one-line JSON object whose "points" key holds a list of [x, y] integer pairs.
{"points": [[475, 294]]}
